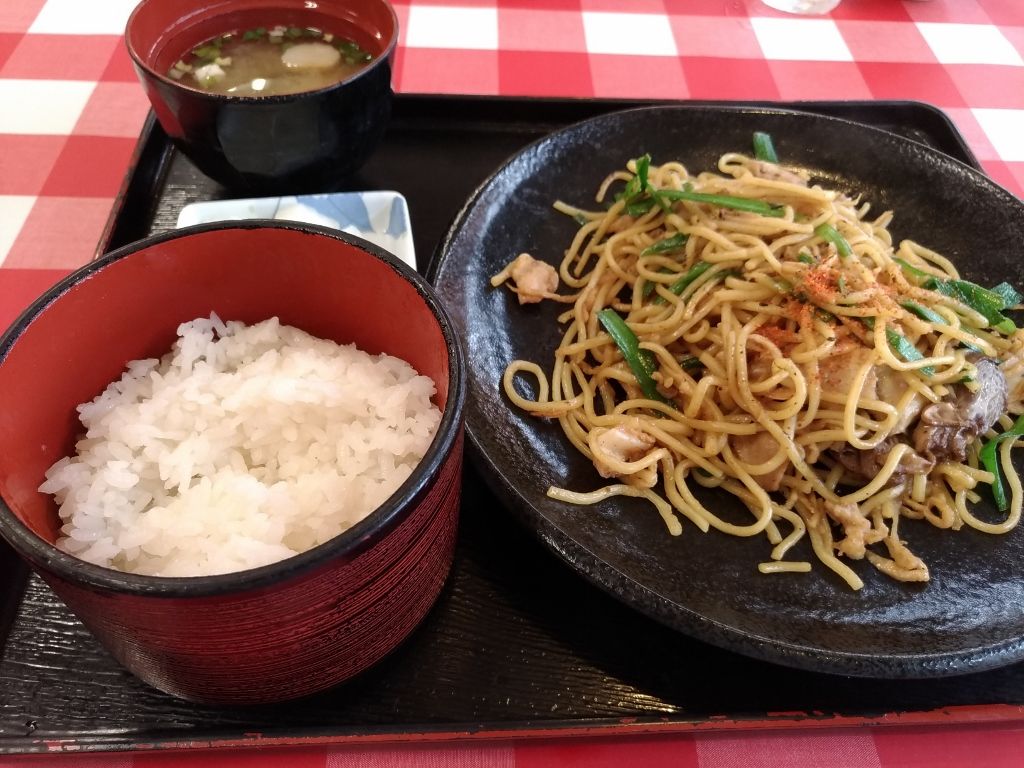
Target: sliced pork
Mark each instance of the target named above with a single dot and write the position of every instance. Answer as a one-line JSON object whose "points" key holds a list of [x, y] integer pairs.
{"points": [[868, 463], [945, 429]]}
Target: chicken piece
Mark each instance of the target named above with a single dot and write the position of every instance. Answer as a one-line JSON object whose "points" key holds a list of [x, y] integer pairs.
{"points": [[620, 444], [868, 463], [535, 280], [945, 429], [759, 448], [838, 372], [857, 529], [902, 564]]}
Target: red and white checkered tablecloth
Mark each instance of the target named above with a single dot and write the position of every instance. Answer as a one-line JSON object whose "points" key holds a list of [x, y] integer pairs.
{"points": [[71, 111]]}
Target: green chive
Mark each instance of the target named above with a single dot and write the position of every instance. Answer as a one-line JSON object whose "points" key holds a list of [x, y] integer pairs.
{"points": [[723, 201], [805, 257], [1009, 294], [901, 345], [988, 458], [667, 245], [640, 361], [650, 284], [830, 234], [985, 302], [988, 303], [632, 193], [763, 148], [643, 166], [933, 317], [825, 316], [686, 280], [631, 190], [915, 275], [206, 52], [640, 207], [924, 313]]}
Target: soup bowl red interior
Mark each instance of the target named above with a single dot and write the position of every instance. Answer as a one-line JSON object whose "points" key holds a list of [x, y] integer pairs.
{"points": [[303, 142], [270, 633]]}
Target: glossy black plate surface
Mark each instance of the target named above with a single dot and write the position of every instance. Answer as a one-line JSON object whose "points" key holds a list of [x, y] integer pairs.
{"points": [[970, 616]]}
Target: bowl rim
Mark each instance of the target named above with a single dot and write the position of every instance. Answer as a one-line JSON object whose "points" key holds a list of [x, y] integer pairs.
{"points": [[280, 98], [48, 559]]}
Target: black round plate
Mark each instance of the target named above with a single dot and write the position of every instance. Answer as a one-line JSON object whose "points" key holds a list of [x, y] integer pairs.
{"points": [[970, 616]]}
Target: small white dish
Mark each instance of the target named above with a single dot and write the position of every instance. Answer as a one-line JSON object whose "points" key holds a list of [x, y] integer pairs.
{"points": [[380, 217]]}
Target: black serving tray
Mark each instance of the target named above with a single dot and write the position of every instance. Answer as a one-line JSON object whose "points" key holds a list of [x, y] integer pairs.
{"points": [[517, 645]]}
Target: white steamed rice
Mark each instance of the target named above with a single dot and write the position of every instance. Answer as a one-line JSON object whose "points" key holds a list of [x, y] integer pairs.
{"points": [[241, 447]]}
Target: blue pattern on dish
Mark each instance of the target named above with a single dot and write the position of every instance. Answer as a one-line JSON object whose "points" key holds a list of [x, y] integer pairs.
{"points": [[380, 217], [349, 210], [398, 222]]}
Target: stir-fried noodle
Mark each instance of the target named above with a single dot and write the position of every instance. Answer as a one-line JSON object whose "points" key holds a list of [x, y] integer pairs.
{"points": [[750, 331]]}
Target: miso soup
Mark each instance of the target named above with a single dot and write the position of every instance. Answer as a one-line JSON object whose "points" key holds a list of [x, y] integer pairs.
{"points": [[270, 62]]}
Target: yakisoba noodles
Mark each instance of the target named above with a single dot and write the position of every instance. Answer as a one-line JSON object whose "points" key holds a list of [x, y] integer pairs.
{"points": [[750, 331]]}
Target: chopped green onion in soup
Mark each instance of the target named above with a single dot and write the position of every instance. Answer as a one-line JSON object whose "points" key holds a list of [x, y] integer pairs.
{"points": [[270, 62]]}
